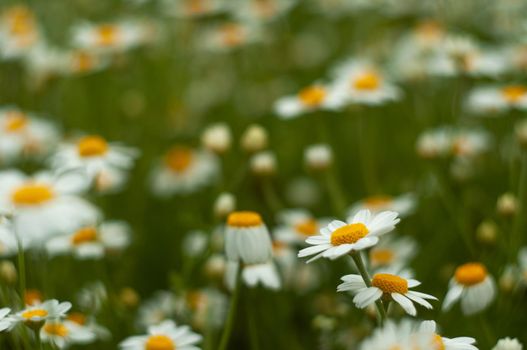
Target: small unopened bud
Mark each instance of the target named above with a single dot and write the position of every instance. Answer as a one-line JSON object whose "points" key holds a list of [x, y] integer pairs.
{"points": [[215, 267], [8, 272], [508, 279], [487, 232], [129, 297], [263, 163], [318, 157], [217, 138], [507, 204], [254, 139], [224, 205]]}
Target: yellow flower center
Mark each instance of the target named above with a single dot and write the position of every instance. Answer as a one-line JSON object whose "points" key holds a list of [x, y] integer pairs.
{"points": [[159, 342], [21, 20], [390, 283], [513, 93], [348, 234], [438, 342], [29, 314], [56, 329], [376, 202], [84, 235], [92, 146], [307, 227], [244, 219], [367, 81], [232, 34], [381, 256], [470, 274], [179, 158], [32, 194], [77, 318], [312, 96], [107, 35], [15, 121]]}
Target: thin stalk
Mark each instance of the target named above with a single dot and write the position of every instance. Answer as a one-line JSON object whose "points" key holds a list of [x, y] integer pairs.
{"points": [[270, 195], [227, 330], [21, 270], [522, 193], [335, 192], [367, 280]]}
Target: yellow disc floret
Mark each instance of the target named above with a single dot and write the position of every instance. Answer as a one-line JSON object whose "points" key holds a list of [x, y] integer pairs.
{"points": [[470, 274], [244, 219], [513, 93], [349, 234], [34, 313], [312, 96], [92, 146], [390, 283], [56, 329], [15, 121], [159, 342], [84, 235], [179, 158], [367, 81], [307, 227], [32, 194]]}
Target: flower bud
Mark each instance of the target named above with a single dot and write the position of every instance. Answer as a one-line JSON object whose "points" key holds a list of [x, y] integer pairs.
{"points": [[8, 272], [318, 157], [254, 139], [507, 204], [224, 205], [217, 138], [263, 163], [487, 232]]}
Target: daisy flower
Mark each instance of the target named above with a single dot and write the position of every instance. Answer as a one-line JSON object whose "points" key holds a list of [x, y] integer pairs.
{"points": [[360, 82], [491, 100], [473, 286], [184, 170], [24, 134], [296, 226], [5, 322], [96, 155], [340, 238], [165, 336], [44, 205], [442, 343], [108, 37], [392, 251], [47, 310], [247, 238], [253, 275], [403, 204], [19, 31], [387, 286], [310, 99], [92, 242], [62, 334]]}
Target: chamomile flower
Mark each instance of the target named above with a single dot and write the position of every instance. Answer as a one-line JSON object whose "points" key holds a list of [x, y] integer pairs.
{"points": [[5, 322], [165, 336], [94, 154], [64, 333], [264, 274], [442, 343], [24, 135], [247, 238], [44, 205], [39, 312], [492, 100], [403, 204], [473, 286], [92, 242], [296, 226], [384, 285], [392, 252], [310, 99], [19, 31], [360, 82], [108, 37], [184, 170], [340, 238]]}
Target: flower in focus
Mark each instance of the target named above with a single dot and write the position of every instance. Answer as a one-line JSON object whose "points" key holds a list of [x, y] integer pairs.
{"points": [[247, 238], [184, 170], [340, 238], [165, 336], [473, 286], [92, 242], [384, 285]]}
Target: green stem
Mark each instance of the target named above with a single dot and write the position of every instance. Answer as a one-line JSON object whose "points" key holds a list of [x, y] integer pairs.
{"points": [[270, 195], [253, 330], [522, 193], [38, 341], [335, 192], [227, 330], [21, 271], [367, 280]]}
